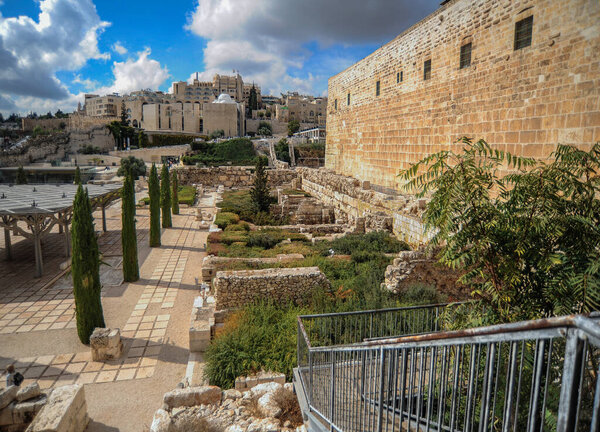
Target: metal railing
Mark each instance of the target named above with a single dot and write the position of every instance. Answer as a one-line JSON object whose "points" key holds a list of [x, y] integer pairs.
{"points": [[529, 376]]}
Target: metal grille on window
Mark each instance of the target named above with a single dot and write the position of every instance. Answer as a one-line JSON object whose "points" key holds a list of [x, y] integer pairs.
{"points": [[465, 55], [377, 88], [523, 31], [427, 70]]}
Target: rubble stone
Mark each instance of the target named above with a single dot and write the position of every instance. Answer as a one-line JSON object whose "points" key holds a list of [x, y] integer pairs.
{"points": [[192, 396], [106, 344], [28, 392]]}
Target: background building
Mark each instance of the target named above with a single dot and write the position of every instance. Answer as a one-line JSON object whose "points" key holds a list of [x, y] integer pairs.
{"points": [[102, 106], [303, 108], [524, 76]]}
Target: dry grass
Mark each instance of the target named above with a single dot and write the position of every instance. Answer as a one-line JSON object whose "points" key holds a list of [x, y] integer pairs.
{"points": [[290, 409], [254, 408]]}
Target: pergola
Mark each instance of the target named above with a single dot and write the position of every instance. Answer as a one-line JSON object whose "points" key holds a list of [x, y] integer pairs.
{"points": [[41, 206]]}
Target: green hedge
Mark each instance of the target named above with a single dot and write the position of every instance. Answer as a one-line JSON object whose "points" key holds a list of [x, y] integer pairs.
{"points": [[185, 195], [237, 151], [224, 219], [170, 140]]}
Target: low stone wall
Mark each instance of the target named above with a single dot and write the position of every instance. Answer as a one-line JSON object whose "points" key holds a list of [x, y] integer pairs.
{"points": [[211, 264], [238, 288], [353, 199], [415, 267], [231, 176], [154, 154]]}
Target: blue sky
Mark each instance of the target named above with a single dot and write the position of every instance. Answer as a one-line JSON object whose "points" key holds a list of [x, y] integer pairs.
{"points": [[54, 51]]}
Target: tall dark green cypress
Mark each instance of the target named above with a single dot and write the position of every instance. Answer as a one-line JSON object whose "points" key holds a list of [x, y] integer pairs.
{"points": [[77, 175], [154, 193], [174, 197], [261, 197], [85, 268], [165, 197], [131, 271]]}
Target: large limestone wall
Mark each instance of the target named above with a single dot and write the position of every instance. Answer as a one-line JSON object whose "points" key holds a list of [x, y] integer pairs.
{"points": [[95, 136], [236, 289], [523, 101], [231, 176]]}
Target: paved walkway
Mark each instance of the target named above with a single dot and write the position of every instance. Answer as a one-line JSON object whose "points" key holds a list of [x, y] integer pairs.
{"points": [[37, 328]]}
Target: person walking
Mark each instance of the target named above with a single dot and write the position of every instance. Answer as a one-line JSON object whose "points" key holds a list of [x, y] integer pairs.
{"points": [[13, 377]]}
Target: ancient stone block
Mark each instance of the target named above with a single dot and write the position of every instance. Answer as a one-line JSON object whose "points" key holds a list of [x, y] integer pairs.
{"points": [[65, 411], [7, 395], [192, 396], [28, 392], [106, 344]]}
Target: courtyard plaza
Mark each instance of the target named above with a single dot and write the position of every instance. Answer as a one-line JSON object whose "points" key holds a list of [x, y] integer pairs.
{"points": [[38, 329]]}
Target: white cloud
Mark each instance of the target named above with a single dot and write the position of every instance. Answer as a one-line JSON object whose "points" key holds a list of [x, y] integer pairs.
{"points": [[85, 82], [64, 37], [136, 74], [119, 48], [264, 39]]}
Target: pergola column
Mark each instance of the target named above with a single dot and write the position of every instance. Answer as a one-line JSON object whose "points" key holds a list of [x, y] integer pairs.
{"points": [[67, 240], [7, 245], [37, 247]]}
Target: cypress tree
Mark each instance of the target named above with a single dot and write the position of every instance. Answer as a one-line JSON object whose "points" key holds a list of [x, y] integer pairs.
{"points": [[174, 197], [154, 193], [21, 176], [131, 271], [85, 268], [77, 175], [165, 197], [261, 197]]}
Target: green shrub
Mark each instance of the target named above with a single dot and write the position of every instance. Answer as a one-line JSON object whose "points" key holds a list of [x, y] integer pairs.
{"points": [[229, 237], [241, 226], [170, 140], [263, 240], [186, 195], [237, 151], [224, 219], [375, 241], [422, 294], [261, 336]]}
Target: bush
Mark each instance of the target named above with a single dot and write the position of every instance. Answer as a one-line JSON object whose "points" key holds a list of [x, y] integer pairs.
{"points": [[224, 219], [238, 151], [261, 336], [133, 164], [169, 140], [186, 195], [241, 226], [422, 294], [263, 240], [375, 241]]}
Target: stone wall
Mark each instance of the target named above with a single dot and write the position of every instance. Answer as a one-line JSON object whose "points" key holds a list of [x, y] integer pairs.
{"points": [[234, 289], [415, 267], [352, 199], [524, 101], [44, 148], [95, 136], [154, 154], [28, 124], [230, 176]]}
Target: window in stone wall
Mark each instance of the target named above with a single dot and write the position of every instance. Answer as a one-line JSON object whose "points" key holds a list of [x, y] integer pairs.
{"points": [[335, 104], [523, 31], [465, 55], [399, 77], [377, 88], [348, 99], [427, 70]]}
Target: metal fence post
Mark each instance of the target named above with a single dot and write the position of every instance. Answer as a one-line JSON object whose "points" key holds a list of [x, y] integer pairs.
{"points": [[332, 389], [569, 390], [381, 385]]}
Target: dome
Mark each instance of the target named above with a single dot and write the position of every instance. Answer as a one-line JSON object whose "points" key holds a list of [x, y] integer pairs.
{"points": [[224, 98]]}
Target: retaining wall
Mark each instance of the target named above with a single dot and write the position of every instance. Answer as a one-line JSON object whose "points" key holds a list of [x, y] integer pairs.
{"points": [[234, 289], [231, 176]]}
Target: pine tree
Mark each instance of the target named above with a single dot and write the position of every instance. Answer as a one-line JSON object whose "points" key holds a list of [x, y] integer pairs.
{"points": [[21, 176], [77, 176], [174, 197], [154, 193], [165, 197], [253, 99], [131, 271], [85, 268], [260, 190]]}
